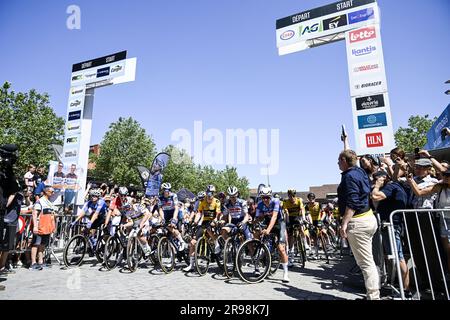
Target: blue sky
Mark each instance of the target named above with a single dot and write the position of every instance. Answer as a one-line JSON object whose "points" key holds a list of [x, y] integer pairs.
{"points": [[217, 61]]}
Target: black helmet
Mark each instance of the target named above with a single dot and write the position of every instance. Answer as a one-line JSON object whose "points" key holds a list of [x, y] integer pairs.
{"points": [[311, 195]]}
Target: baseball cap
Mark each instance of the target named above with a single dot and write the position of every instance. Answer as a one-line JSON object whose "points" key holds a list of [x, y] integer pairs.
{"points": [[423, 162]]}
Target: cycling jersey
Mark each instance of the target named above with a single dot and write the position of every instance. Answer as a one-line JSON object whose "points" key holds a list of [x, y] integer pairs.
{"points": [[238, 210], [168, 205], [137, 213], [119, 204], [314, 210], [266, 211], [91, 207], [209, 210], [196, 205], [294, 209]]}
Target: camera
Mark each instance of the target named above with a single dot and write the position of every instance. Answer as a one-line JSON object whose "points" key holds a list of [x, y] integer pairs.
{"points": [[8, 156]]}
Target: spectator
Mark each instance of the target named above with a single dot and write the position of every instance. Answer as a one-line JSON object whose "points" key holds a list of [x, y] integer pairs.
{"points": [[29, 178], [396, 154], [423, 180], [39, 176], [104, 189], [359, 223], [392, 196], [42, 228], [251, 208], [440, 167]]}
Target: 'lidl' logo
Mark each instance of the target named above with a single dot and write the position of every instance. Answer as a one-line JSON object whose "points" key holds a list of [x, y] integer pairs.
{"points": [[305, 30]]}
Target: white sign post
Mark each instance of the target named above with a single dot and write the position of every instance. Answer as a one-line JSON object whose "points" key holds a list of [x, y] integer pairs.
{"points": [[86, 77]]}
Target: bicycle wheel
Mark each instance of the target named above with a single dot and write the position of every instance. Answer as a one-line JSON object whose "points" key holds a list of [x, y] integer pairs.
{"points": [[219, 257], [153, 243], [113, 253], [323, 242], [202, 256], [100, 248], [166, 255], [74, 251], [299, 246], [229, 258], [253, 261], [134, 253]]}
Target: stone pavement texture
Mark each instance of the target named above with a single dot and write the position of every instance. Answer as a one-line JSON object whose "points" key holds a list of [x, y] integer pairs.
{"points": [[317, 281]]}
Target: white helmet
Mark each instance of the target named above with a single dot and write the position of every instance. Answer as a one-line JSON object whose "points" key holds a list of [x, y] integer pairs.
{"points": [[123, 191], [95, 193], [166, 185], [201, 195], [232, 191], [210, 188], [265, 192]]}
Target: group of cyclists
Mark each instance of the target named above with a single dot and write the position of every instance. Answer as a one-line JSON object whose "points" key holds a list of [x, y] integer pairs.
{"points": [[216, 216]]}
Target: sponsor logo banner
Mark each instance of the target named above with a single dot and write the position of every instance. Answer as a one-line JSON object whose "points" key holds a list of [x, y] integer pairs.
{"points": [[370, 102], [102, 72], [73, 126], [77, 90], [364, 51], [117, 68], [374, 140], [289, 34], [335, 22], [75, 103], [99, 61], [362, 34], [307, 29], [72, 140], [361, 15], [372, 121], [71, 153], [74, 115], [366, 67]]}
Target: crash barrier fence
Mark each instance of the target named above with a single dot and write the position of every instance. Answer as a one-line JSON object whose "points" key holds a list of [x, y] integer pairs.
{"points": [[426, 249]]}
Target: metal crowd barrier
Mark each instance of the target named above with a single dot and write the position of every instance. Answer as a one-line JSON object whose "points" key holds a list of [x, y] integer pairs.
{"points": [[427, 236], [58, 239]]}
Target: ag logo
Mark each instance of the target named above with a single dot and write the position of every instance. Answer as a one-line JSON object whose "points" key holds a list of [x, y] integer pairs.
{"points": [[316, 27]]}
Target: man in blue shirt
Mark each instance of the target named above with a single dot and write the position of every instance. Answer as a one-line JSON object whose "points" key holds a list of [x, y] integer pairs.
{"points": [[391, 196], [358, 223]]}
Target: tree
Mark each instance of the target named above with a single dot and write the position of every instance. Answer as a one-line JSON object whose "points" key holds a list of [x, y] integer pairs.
{"points": [[415, 135], [125, 146], [181, 172], [27, 120]]}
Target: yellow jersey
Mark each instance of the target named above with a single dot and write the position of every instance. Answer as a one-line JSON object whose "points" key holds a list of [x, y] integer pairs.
{"points": [[314, 210], [209, 210], [295, 208]]}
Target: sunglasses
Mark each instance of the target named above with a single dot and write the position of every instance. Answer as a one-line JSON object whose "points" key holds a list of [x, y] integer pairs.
{"points": [[265, 198]]}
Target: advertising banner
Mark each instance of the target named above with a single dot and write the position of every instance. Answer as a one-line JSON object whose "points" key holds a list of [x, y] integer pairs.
{"points": [[368, 89], [435, 139], [294, 32], [85, 77]]}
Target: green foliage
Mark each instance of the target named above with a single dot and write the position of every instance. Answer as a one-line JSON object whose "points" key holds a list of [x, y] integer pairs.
{"points": [[183, 173], [27, 120], [415, 135], [125, 146]]}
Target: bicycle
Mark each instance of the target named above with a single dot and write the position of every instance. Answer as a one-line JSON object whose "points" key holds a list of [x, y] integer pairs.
{"points": [[318, 233], [299, 244], [204, 252], [115, 249], [168, 251], [231, 246], [80, 244]]}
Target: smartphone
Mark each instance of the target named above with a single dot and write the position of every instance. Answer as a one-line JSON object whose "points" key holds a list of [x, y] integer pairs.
{"points": [[343, 132], [416, 153]]}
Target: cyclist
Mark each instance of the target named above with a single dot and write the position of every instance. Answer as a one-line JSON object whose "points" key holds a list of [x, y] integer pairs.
{"points": [[168, 208], [314, 209], [268, 209], [296, 213], [236, 211], [119, 205], [208, 212], [95, 210], [138, 218]]}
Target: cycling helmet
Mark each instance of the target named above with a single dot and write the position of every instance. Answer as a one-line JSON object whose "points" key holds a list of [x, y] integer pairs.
{"points": [[292, 192], [265, 192], [95, 193], [123, 191], [311, 195], [276, 195], [210, 188], [221, 195], [201, 195], [166, 186], [232, 191]]}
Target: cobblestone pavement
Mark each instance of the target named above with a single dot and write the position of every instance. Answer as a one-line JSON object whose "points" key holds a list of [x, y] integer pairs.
{"points": [[317, 281]]}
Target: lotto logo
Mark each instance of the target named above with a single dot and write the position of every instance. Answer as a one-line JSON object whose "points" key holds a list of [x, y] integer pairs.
{"points": [[374, 140], [362, 34]]}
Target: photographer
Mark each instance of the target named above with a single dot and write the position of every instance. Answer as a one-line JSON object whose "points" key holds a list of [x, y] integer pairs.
{"points": [[8, 189]]}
